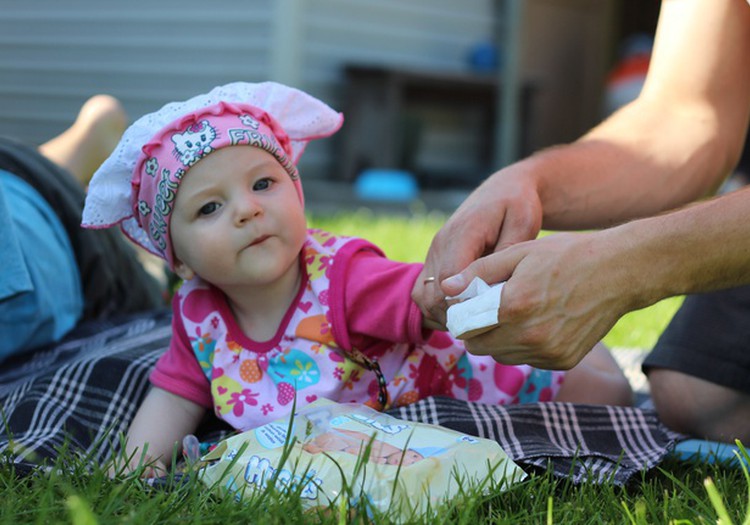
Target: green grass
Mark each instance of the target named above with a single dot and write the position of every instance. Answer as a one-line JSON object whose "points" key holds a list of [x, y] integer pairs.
{"points": [[674, 493]]}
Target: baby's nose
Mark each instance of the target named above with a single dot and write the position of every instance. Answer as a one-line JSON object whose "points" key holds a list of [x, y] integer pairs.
{"points": [[247, 209]]}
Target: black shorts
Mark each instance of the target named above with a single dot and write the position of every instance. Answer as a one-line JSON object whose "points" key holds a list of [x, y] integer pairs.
{"points": [[709, 338]]}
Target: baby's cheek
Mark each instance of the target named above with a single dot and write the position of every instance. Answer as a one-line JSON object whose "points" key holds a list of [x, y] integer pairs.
{"points": [[410, 458]]}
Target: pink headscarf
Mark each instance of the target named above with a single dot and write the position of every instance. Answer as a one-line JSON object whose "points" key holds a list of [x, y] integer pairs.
{"points": [[193, 130]]}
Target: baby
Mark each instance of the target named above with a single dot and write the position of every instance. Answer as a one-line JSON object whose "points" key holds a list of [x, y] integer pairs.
{"points": [[355, 443], [270, 311]]}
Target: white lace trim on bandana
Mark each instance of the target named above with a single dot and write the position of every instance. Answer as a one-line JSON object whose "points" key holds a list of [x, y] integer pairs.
{"points": [[302, 117]]}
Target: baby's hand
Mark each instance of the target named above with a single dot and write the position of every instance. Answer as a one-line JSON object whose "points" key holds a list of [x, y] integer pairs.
{"points": [[154, 469], [151, 468]]}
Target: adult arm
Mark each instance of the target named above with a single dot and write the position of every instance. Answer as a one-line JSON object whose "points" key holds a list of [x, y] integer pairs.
{"points": [[564, 292], [680, 138], [674, 144]]}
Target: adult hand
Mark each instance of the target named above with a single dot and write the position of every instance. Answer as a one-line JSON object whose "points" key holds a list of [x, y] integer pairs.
{"points": [[563, 293], [502, 211]]}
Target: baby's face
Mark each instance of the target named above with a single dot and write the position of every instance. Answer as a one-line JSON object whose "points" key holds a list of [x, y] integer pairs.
{"points": [[409, 458], [237, 219]]}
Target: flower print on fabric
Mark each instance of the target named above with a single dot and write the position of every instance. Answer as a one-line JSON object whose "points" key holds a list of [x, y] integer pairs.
{"points": [[319, 264], [151, 166], [295, 367], [314, 328], [224, 391], [203, 348], [538, 387], [238, 400], [143, 208]]}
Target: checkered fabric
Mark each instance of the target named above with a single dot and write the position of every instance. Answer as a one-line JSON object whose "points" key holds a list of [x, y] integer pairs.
{"points": [[86, 389], [82, 390], [586, 443]]}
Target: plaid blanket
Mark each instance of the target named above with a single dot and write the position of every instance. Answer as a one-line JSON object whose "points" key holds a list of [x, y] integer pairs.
{"points": [[586, 443], [82, 390], [85, 390]]}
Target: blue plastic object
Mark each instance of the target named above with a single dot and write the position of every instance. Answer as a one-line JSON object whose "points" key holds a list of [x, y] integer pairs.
{"points": [[386, 185], [705, 451], [483, 57]]}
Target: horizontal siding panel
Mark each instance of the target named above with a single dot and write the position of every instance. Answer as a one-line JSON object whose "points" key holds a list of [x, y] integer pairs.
{"points": [[148, 72], [224, 43], [54, 55], [169, 18], [418, 28], [333, 70], [387, 12], [344, 34]]}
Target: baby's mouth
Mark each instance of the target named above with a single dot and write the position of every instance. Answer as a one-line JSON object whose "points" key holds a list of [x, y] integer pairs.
{"points": [[259, 240]]}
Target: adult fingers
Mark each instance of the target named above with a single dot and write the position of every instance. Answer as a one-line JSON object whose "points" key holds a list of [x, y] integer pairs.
{"points": [[493, 268], [522, 223], [453, 248], [428, 296]]}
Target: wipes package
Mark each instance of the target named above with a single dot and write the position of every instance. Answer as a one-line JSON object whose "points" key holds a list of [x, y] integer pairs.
{"points": [[477, 310], [332, 451]]}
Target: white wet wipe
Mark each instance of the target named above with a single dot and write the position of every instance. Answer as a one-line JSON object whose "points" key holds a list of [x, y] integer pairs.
{"points": [[476, 311]]}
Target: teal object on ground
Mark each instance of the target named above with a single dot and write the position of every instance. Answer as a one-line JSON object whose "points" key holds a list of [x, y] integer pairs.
{"points": [[386, 185], [705, 451]]}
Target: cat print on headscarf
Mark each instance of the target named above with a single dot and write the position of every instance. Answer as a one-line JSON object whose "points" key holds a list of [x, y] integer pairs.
{"points": [[194, 143]]}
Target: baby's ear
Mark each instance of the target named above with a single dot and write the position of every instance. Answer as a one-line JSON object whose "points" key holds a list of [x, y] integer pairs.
{"points": [[183, 270]]}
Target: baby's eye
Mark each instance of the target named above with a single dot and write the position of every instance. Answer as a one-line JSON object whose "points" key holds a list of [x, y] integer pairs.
{"points": [[208, 209], [262, 184]]}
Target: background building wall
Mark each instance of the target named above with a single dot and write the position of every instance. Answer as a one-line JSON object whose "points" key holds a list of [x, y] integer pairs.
{"points": [[567, 48], [54, 55]]}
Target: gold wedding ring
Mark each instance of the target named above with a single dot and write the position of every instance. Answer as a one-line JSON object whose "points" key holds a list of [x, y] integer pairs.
{"points": [[429, 280]]}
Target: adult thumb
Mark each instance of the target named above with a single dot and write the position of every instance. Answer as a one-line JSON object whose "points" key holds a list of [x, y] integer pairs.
{"points": [[493, 268]]}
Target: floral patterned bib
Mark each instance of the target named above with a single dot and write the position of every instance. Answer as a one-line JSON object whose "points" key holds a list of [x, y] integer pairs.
{"points": [[252, 386]]}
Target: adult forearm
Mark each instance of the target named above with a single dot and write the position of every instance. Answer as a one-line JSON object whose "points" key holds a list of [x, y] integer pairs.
{"points": [[676, 142], [639, 163], [701, 247]]}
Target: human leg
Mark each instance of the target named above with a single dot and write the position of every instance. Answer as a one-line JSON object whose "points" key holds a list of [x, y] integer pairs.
{"points": [[41, 297], [114, 280], [83, 146], [597, 380], [699, 371], [700, 408]]}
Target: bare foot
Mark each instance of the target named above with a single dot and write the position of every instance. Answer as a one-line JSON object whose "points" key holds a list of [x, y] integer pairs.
{"points": [[597, 380], [83, 147]]}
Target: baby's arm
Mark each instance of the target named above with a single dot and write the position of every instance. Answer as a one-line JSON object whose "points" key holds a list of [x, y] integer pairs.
{"points": [[162, 420], [377, 301]]}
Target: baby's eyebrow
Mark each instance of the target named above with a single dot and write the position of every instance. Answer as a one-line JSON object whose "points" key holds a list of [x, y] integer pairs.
{"points": [[202, 193]]}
